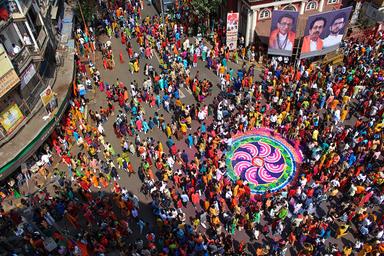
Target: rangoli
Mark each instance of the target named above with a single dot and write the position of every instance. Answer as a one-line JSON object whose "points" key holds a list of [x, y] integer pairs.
{"points": [[267, 162]]}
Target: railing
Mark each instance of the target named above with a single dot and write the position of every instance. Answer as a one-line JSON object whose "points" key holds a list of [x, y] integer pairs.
{"points": [[34, 96], [29, 105], [25, 5], [14, 9], [4, 23], [41, 39]]}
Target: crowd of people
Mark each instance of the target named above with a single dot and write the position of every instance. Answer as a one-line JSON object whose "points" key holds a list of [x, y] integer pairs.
{"points": [[334, 114]]}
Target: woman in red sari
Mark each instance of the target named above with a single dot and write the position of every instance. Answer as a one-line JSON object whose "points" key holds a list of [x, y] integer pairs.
{"points": [[123, 38]]}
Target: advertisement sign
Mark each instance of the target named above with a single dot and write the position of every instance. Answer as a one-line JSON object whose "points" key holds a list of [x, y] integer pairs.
{"points": [[283, 32], [11, 117], [232, 30], [324, 32], [27, 76], [8, 81], [5, 63], [8, 76], [48, 97]]}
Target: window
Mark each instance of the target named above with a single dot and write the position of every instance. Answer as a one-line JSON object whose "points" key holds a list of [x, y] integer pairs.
{"points": [[332, 1], [312, 5], [290, 8], [265, 14]]}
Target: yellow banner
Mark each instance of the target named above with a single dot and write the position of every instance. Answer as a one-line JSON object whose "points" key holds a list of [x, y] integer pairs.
{"points": [[11, 117]]}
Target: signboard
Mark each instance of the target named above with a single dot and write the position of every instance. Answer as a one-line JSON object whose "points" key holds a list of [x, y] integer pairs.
{"points": [[5, 63], [324, 32], [232, 30], [11, 117], [48, 97], [27, 76], [8, 81], [283, 33], [8, 76]]}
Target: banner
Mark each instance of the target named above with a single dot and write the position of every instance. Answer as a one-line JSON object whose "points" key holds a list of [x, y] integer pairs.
{"points": [[48, 97], [27, 76], [324, 32], [283, 32], [8, 81], [232, 30], [11, 117]]}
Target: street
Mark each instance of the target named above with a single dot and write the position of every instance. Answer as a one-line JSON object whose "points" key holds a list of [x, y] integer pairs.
{"points": [[299, 202]]}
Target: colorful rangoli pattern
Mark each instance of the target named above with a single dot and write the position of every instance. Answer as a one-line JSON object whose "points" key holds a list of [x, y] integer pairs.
{"points": [[267, 162]]}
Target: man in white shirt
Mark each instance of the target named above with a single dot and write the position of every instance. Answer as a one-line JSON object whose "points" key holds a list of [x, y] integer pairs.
{"points": [[336, 30], [46, 158], [282, 38], [313, 42], [100, 128], [15, 49], [27, 39]]}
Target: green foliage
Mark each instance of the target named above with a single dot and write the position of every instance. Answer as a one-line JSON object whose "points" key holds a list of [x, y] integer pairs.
{"points": [[202, 8], [89, 9]]}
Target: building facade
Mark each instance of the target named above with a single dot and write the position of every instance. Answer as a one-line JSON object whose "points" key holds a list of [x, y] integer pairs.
{"points": [[27, 49], [256, 15], [371, 11], [36, 53]]}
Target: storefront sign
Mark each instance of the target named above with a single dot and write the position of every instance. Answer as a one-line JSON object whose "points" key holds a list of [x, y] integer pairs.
{"points": [[48, 97], [11, 117], [8, 81]]}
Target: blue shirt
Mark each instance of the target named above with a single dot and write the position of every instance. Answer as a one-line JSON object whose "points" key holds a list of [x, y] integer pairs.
{"points": [[203, 128], [176, 94], [224, 62], [76, 135]]}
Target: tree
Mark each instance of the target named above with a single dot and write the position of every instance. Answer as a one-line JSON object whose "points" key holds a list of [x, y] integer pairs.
{"points": [[89, 9], [203, 8]]}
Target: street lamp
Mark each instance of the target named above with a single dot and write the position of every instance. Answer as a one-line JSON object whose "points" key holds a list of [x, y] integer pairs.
{"points": [[162, 13]]}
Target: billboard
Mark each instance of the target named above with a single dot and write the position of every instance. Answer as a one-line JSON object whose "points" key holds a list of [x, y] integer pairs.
{"points": [[232, 30], [283, 32], [48, 97], [11, 117], [8, 76], [324, 32]]}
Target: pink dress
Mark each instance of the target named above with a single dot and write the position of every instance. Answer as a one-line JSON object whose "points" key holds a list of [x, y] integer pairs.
{"points": [[194, 58], [139, 125], [101, 86]]}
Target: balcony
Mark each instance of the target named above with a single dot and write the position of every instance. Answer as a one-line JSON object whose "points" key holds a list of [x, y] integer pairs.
{"points": [[21, 60], [18, 11], [4, 24], [42, 39]]}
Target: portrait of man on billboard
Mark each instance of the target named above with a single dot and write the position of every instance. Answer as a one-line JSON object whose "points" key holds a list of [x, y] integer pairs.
{"points": [[336, 30], [283, 33], [324, 32], [313, 42]]}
